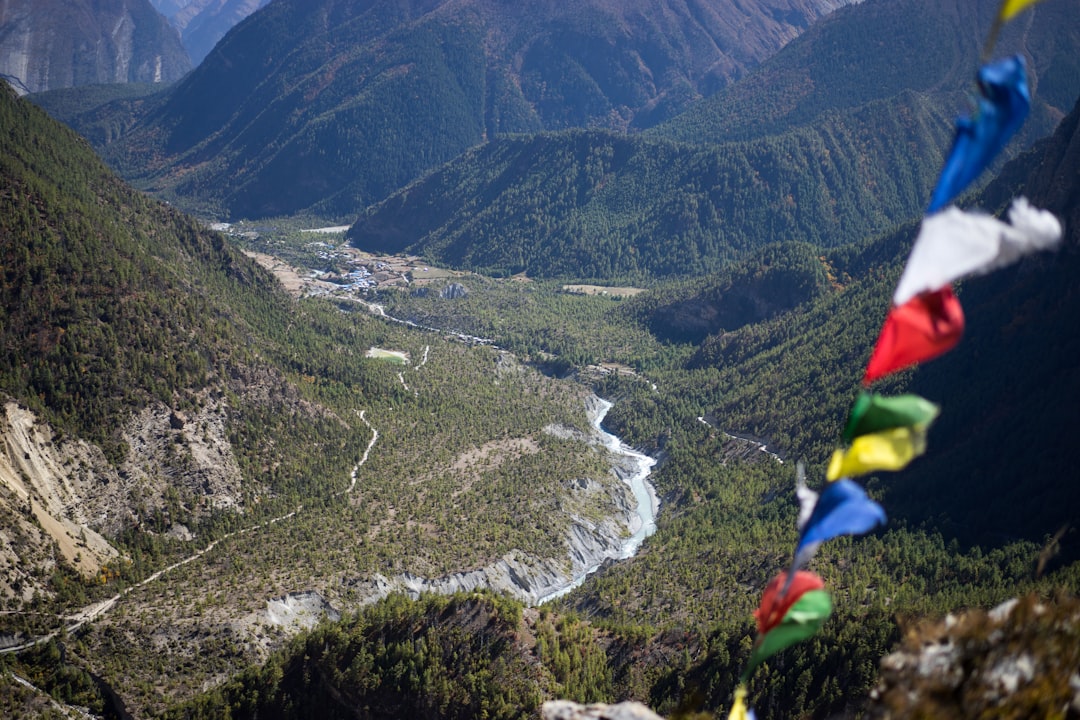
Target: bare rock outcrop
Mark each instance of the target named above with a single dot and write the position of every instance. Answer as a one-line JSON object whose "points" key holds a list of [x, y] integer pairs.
{"points": [[1019, 660], [59, 489], [46, 498], [50, 44], [567, 710], [302, 610]]}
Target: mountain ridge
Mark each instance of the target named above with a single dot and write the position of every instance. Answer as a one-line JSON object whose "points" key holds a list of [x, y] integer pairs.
{"points": [[857, 160], [385, 91]]}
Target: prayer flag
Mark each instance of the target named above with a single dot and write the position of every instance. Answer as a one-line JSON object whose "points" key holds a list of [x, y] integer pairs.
{"points": [[1012, 8], [873, 413], [886, 450], [842, 509], [954, 244], [1003, 106], [803, 619], [739, 710], [780, 594], [921, 329]]}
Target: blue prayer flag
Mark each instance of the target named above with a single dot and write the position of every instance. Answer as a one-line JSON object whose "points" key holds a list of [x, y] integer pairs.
{"points": [[1004, 102], [843, 508]]}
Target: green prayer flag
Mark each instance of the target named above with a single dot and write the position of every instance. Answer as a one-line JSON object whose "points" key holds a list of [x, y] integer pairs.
{"points": [[873, 413]]}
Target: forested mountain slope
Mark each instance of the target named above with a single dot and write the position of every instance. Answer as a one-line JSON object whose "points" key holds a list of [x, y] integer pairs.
{"points": [[335, 104], [134, 358], [592, 205], [850, 159], [49, 44], [916, 45]]}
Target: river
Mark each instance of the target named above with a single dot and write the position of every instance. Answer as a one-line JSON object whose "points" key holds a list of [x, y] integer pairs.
{"points": [[648, 504]]}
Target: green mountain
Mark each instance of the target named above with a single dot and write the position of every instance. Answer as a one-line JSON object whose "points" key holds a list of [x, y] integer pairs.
{"points": [[605, 206], [875, 51], [332, 105], [768, 160]]}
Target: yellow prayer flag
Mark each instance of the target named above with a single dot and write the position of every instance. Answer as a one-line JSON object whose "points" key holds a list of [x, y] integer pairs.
{"points": [[887, 450], [1011, 8], [738, 710]]}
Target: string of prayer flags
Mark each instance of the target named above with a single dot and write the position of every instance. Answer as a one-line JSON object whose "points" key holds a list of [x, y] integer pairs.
{"points": [[924, 321], [1003, 105], [873, 413], [954, 244], [924, 327], [790, 611]]}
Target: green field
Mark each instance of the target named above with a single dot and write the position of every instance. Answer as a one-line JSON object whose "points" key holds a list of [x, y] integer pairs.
{"points": [[396, 356]]}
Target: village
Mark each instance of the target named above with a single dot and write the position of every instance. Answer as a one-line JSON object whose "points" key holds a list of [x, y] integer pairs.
{"points": [[323, 268]]}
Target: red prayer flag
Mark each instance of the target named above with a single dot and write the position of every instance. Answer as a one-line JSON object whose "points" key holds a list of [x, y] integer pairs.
{"points": [[922, 328], [775, 603]]}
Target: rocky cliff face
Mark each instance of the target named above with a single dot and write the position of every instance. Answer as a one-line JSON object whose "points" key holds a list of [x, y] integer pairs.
{"points": [[49, 44], [59, 489]]}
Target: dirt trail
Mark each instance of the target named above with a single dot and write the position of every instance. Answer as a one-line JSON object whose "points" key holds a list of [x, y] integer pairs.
{"points": [[96, 610]]}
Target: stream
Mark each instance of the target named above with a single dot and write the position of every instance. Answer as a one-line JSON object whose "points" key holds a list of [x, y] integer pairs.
{"points": [[648, 504]]}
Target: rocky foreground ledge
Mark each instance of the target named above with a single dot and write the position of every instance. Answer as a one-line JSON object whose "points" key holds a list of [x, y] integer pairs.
{"points": [[566, 710], [1019, 660]]}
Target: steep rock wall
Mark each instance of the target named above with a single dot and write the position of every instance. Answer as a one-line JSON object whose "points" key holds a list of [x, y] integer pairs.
{"points": [[49, 44]]}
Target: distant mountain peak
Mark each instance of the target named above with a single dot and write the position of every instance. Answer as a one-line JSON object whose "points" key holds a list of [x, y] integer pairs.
{"points": [[202, 23]]}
